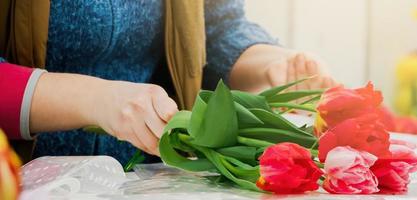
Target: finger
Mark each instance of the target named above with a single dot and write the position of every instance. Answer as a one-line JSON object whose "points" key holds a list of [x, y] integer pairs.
{"points": [[134, 139], [164, 106], [301, 71], [312, 70], [146, 136], [327, 82], [131, 137], [276, 73], [291, 73], [155, 123]]}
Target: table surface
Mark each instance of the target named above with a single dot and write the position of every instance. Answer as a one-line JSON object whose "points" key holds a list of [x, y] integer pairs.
{"points": [[159, 191], [157, 181]]}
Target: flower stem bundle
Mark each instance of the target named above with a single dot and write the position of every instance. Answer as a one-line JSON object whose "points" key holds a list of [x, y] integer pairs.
{"points": [[227, 131]]}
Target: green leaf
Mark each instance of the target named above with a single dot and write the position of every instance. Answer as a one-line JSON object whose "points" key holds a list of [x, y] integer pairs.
{"points": [[197, 116], [274, 135], [177, 143], [275, 90], [205, 95], [172, 158], [218, 161], [180, 120], [253, 142], [272, 120], [215, 124], [240, 170], [246, 119], [249, 100], [306, 107], [291, 96], [244, 153]]}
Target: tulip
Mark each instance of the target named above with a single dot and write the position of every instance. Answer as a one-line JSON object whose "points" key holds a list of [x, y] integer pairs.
{"points": [[287, 168], [347, 172], [339, 104], [359, 133], [393, 172]]}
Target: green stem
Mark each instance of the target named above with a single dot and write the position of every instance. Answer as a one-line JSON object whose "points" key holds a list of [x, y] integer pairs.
{"points": [[316, 98], [321, 180], [136, 159], [319, 164], [242, 140], [231, 167], [292, 106], [251, 132], [314, 152], [253, 142], [184, 138], [313, 147]]}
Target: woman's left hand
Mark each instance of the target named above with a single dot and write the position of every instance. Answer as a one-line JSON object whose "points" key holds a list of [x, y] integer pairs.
{"points": [[264, 66]]}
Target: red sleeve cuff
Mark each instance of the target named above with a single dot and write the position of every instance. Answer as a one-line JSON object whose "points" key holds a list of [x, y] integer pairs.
{"points": [[13, 80]]}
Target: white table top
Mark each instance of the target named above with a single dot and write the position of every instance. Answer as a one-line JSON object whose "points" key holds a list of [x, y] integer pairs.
{"points": [[95, 178], [158, 182], [229, 194]]}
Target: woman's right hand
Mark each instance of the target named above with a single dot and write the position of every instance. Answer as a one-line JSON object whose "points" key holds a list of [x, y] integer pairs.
{"points": [[133, 112]]}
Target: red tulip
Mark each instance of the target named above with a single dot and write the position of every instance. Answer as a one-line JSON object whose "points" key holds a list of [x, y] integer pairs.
{"points": [[339, 104], [287, 168], [388, 119], [361, 133]]}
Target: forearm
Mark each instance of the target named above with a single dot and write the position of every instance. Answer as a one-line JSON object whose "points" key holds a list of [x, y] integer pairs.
{"points": [[64, 101]]}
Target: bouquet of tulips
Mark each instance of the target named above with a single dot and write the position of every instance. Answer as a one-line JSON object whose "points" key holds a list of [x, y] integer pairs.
{"points": [[247, 140]]}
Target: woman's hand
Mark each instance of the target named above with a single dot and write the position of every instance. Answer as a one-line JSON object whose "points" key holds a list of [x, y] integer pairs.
{"points": [[264, 66], [136, 113], [129, 111]]}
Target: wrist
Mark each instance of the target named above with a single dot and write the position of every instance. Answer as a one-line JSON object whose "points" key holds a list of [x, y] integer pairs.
{"points": [[92, 101]]}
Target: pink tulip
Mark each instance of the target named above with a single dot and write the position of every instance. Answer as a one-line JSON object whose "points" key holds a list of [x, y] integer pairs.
{"points": [[393, 172], [347, 172]]}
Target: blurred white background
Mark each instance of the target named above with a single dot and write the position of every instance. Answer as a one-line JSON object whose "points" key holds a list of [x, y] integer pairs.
{"points": [[360, 40]]}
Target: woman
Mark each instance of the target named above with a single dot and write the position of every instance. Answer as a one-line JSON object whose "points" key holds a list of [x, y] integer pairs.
{"points": [[124, 40]]}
